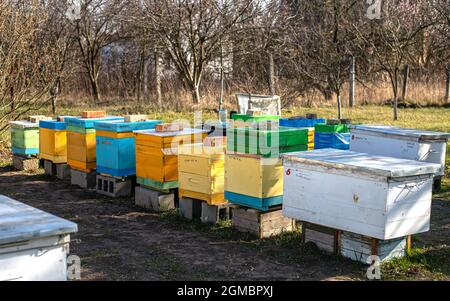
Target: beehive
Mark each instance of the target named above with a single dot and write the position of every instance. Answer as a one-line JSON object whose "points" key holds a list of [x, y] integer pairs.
{"points": [[81, 142], [53, 141], [157, 156], [304, 124], [115, 146], [201, 173], [268, 143], [332, 136], [378, 197], [253, 181], [24, 138]]}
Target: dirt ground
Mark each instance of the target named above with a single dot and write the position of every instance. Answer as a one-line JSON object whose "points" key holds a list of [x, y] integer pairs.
{"points": [[118, 241]]}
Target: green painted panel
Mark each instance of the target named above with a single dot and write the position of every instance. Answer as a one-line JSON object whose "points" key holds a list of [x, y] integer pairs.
{"points": [[25, 138], [324, 128]]}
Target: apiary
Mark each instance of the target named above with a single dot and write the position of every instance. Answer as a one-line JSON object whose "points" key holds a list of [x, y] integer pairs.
{"points": [[157, 156], [267, 143], [253, 181], [308, 124], [398, 142], [53, 141], [81, 142], [115, 146], [379, 197], [24, 138], [201, 173], [331, 136], [34, 245]]}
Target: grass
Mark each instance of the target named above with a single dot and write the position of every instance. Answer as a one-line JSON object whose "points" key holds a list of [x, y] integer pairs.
{"points": [[424, 262]]}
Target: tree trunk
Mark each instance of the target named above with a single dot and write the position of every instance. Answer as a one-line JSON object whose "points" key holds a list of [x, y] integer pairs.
{"points": [[95, 91], [405, 82], [339, 104], [447, 86], [271, 74], [158, 73], [145, 79], [195, 94], [54, 95], [352, 82]]}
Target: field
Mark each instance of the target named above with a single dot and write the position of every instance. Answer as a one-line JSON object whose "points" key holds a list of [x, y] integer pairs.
{"points": [[117, 241]]}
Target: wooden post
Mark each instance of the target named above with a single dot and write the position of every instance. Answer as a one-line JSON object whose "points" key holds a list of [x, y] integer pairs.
{"points": [[339, 106], [447, 85], [158, 78], [405, 82], [352, 82], [271, 74]]}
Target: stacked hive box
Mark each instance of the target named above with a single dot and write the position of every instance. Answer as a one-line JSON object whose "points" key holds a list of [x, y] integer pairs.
{"points": [[53, 141], [332, 136], [380, 198], [81, 142], [157, 156], [25, 138], [303, 123]]}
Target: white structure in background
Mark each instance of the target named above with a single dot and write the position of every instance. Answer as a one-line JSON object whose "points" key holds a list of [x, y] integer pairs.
{"points": [[378, 197], [268, 105], [400, 143], [34, 245]]}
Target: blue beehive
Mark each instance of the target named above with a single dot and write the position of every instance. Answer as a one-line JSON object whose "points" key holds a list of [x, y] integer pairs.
{"points": [[301, 123], [332, 140], [116, 155]]}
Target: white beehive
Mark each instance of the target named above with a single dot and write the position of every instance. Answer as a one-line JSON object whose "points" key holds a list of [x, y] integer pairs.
{"points": [[379, 197], [400, 143], [33, 244]]}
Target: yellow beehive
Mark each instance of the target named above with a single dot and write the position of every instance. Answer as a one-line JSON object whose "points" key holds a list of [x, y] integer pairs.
{"points": [[202, 174], [81, 150], [311, 139], [254, 176], [157, 153], [53, 145]]}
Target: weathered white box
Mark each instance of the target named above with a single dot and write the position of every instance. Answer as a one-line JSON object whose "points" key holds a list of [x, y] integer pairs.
{"points": [[400, 143], [379, 197], [33, 244]]}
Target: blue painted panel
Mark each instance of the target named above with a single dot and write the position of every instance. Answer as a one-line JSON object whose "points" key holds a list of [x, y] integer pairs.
{"points": [[301, 123], [123, 127], [89, 123], [332, 140], [116, 154], [252, 202], [25, 151], [52, 125]]}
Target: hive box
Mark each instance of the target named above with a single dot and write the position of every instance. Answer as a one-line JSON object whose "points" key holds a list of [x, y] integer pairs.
{"points": [[157, 156], [301, 123], [24, 138], [379, 197], [270, 105], [201, 173], [400, 143], [253, 181], [115, 149], [53, 141], [81, 142], [34, 245], [331, 136]]}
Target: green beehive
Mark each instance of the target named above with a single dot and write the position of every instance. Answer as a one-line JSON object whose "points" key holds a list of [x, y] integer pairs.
{"points": [[325, 128], [24, 138], [254, 119]]}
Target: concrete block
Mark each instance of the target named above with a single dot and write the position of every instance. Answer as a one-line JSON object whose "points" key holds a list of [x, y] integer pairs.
{"points": [[83, 179], [113, 187], [25, 164], [214, 214], [63, 171], [49, 168], [154, 200], [190, 208]]}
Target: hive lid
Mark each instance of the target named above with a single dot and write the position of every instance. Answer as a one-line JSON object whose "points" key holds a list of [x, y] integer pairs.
{"points": [[23, 124], [185, 132], [89, 123], [359, 162], [52, 125], [20, 222], [121, 126], [398, 131]]}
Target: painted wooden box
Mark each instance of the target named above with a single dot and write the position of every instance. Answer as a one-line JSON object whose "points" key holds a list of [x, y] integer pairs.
{"points": [[379, 197], [81, 142], [400, 143], [34, 245], [157, 156], [53, 141], [24, 138], [267, 143], [331, 136], [253, 181], [115, 146], [201, 173], [301, 123]]}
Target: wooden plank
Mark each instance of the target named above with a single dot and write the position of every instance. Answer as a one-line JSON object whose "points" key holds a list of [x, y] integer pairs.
{"points": [[93, 114]]}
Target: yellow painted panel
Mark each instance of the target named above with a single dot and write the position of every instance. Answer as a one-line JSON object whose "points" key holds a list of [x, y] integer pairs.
{"points": [[251, 176], [168, 173], [114, 135], [201, 165], [163, 142], [216, 199], [53, 145], [201, 184], [83, 166], [81, 147]]}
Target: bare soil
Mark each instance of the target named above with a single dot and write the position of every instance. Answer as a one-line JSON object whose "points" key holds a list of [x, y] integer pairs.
{"points": [[118, 241]]}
